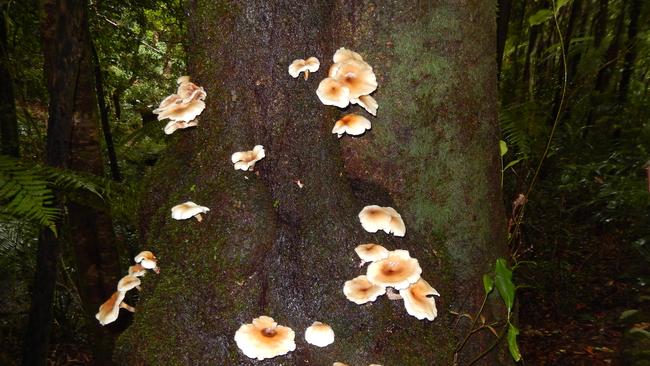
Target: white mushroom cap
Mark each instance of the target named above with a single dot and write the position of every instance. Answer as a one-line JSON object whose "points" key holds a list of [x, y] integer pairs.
{"points": [[179, 111], [127, 283], [374, 218], [371, 252], [245, 160], [137, 270], [352, 124], [357, 76], [367, 102], [109, 310], [172, 126], [343, 54], [299, 65], [417, 302], [332, 92], [319, 334], [146, 259], [339, 364], [187, 210], [398, 270], [264, 338], [360, 291]]}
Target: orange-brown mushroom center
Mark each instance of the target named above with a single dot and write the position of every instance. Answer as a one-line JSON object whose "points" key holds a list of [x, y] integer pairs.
{"points": [[392, 268], [269, 332]]}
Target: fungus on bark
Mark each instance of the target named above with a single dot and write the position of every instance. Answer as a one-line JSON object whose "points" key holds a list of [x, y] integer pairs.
{"points": [[367, 102], [370, 253], [332, 92], [352, 124], [137, 270], [417, 301], [148, 260], [264, 338], [299, 65], [110, 310], [172, 126], [187, 210], [360, 290], [319, 334], [374, 218], [185, 105], [398, 270], [127, 283], [245, 160], [357, 76]]}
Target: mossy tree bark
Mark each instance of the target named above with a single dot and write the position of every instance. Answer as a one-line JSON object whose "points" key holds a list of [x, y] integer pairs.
{"points": [[270, 247]]}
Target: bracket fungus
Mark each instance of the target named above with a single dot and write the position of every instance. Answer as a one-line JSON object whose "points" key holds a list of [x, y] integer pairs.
{"points": [[367, 102], [109, 310], [319, 334], [417, 301], [398, 270], [128, 282], [350, 80], [374, 218], [172, 126], [245, 160], [188, 210], [332, 92], [352, 124], [147, 260], [185, 105], [370, 253], [264, 338], [299, 65], [360, 290]]}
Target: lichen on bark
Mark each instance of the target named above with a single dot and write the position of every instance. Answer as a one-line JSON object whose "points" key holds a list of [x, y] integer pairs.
{"points": [[269, 247]]}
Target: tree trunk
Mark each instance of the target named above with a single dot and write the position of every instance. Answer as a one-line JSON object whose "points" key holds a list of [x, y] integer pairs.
{"points": [[503, 21], [9, 140], [270, 247], [73, 142], [103, 113], [600, 22], [630, 51]]}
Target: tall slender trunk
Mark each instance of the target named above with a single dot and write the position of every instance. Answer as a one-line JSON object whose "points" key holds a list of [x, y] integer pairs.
{"points": [[9, 140], [630, 51], [103, 113], [503, 21], [600, 22], [270, 247]]}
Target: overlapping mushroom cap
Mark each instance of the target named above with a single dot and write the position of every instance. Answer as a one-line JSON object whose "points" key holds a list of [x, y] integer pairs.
{"points": [[371, 252], [417, 302], [352, 124], [127, 283], [172, 126], [374, 218], [332, 92], [367, 102], [137, 270], [264, 338], [319, 334], [185, 105], [187, 210], [360, 290], [349, 79], [357, 76], [147, 259], [245, 160], [109, 310], [398, 270], [299, 65]]}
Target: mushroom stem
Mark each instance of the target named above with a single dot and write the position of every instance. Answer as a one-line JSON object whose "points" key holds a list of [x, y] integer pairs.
{"points": [[156, 269], [306, 74], [392, 295], [362, 263], [198, 217], [128, 307], [139, 288]]}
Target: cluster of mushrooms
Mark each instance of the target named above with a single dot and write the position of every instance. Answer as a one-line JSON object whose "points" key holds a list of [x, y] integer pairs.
{"points": [[110, 309], [350, 80]]}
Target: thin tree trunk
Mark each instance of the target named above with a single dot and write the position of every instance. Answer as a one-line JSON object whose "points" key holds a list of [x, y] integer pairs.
{"points": [[630, 51], [103, 113], [269, 247], [533, 33], [503, 21], [9, 140], [600, 23]]}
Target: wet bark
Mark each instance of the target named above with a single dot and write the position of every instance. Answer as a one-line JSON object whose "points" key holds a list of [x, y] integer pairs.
{"points": [[270, 247], [9, 140]]}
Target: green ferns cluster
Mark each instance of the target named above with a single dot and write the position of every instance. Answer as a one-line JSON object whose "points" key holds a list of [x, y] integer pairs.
{"points": [[27, 191]]}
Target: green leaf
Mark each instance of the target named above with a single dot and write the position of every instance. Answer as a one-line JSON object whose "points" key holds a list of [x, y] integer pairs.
{"points": [[504, 283], [488, 284], [540, 17], [559, 4], [503, 147], [512, 163], [512, 342]]}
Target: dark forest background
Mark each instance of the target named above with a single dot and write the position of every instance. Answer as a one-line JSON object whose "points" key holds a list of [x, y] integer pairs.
{"points": [[574, 94]]}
